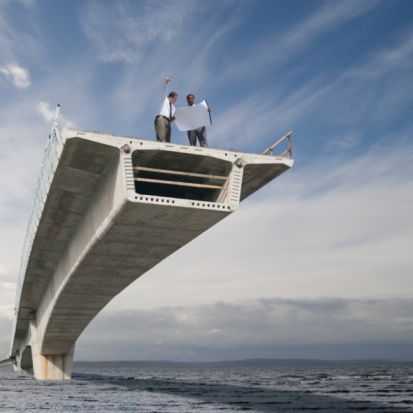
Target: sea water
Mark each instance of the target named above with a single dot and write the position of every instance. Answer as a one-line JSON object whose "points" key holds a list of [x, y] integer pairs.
{"points": [[256, 386]]}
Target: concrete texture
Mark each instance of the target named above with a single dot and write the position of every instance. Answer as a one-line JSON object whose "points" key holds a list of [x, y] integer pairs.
{"points": [[97, 235]]}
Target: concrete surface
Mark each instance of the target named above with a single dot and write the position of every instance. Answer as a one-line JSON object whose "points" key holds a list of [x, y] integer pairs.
{"points": [[97, 234]]}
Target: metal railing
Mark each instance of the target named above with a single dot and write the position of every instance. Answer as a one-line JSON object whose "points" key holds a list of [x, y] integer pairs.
{"points": [[51, 156], [288, 152]]}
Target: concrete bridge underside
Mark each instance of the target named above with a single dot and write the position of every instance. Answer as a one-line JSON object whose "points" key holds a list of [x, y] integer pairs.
{"points": [[115, 208]]}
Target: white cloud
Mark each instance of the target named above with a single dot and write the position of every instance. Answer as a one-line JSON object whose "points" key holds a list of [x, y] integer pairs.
{"points": [[377, 89], [328, 17], [7, 286], [7, 296], [345, 141], [5, 333], [287, 44], [18, 76], [398, 56], [18, 41], [28, 3], [25, 3], [255, 328], [122, 31], [44, 109]]}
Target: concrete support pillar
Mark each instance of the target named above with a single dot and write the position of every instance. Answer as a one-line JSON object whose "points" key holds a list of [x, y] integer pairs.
{"points": [[29, 358], [52, 367]]}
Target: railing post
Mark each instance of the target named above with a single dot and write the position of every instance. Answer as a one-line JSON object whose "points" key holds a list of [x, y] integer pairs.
{"points": [[270, 149], [55, 124]]}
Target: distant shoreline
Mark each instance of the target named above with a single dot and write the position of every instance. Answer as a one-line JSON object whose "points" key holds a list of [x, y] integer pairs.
{"points": [[243, 362]]}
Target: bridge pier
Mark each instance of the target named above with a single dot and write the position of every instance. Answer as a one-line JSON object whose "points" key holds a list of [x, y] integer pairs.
{"points": [[45, 367], [17, 368], [53, 367]]}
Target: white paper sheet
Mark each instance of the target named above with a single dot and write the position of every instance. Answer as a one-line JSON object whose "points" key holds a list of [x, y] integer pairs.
{"points": [[192, 117]]}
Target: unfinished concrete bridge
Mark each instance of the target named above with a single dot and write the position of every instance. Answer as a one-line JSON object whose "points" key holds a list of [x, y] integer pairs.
{"points": [[106, 210]]}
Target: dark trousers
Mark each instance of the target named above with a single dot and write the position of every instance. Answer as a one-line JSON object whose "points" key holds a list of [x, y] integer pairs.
{"points": [[199, 133]]}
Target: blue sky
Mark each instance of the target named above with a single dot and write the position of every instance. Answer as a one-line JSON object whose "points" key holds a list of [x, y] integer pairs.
{"points": [[337, 228]]}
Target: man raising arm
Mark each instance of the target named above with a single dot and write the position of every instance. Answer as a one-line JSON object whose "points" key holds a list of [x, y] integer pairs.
{"points": [[165, 117]]}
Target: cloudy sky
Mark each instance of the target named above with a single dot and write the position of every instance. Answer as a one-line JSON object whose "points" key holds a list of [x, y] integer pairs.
{"points": [[318, 263]]}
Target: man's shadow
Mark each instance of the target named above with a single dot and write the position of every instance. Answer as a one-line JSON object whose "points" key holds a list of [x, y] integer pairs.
{"points": [[242, 397]]}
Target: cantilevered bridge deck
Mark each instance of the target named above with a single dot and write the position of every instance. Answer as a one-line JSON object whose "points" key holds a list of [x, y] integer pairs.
{"points": [[108, 209]]}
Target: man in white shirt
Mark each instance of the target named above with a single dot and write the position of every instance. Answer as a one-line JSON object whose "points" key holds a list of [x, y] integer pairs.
{"points": [[165, 117], [199, 133]]}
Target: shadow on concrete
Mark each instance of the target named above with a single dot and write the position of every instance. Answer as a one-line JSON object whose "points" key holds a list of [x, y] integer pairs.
{"points": [[242, 397]]}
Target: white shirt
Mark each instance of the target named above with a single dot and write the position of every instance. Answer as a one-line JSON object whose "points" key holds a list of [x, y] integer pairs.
{"points": [[166, 108]]}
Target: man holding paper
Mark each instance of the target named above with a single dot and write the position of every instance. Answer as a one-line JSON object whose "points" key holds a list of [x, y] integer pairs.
{"points": [[199, 133], [193, 119]]}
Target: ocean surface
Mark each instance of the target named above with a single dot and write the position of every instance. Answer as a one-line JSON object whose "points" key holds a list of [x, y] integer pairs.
{"points": [[255, 386]]}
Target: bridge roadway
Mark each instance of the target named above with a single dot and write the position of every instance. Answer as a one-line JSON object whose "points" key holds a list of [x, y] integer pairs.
{"points": [[114, 208]]}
